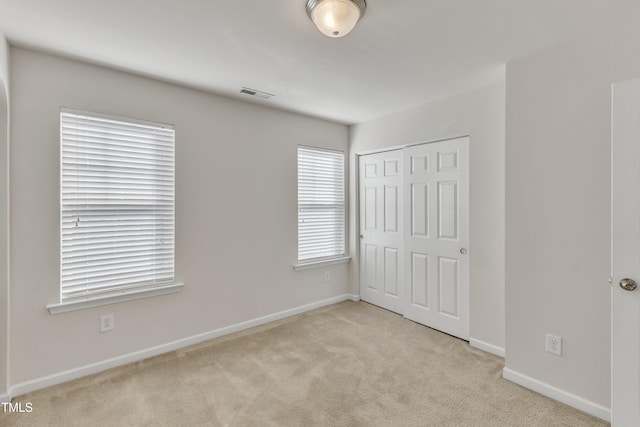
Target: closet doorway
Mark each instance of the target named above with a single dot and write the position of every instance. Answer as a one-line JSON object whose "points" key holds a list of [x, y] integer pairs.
{"points": [[414, 233]]}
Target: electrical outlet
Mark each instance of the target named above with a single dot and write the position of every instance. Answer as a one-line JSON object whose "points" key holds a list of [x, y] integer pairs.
{"points": [[554, 344], [106, 323], [327, 276]]}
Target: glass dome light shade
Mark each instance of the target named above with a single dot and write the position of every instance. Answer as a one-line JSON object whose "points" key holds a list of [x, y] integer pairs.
{"points": [[335, 18]]}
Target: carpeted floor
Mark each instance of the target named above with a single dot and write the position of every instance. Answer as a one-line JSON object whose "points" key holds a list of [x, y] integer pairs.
{"points": [[350, 364]]}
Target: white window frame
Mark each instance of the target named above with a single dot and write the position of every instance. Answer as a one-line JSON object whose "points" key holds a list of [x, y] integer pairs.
{"points": [[319, 261], [97, 292]]}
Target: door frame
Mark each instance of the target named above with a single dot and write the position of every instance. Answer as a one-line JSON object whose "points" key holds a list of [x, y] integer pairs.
{"points": [[357, 199]]}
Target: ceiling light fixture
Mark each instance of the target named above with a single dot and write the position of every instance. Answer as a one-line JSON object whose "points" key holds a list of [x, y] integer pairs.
{"points": [[335, 18]]}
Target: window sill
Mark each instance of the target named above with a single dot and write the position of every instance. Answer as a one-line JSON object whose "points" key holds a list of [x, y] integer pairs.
{"points": [[64, 307], [323, 263]]}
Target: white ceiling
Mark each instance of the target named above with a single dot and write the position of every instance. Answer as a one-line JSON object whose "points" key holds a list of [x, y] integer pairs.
{"points": [[403, 53]]}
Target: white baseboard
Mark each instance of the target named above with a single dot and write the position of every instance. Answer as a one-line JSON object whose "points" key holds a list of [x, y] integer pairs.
{"points": [[5, 398], [555, 393], [485, 346], [61, 377]]}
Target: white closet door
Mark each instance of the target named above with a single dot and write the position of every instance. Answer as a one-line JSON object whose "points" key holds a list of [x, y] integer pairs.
{"points": [[436, 236], [381, 240]]}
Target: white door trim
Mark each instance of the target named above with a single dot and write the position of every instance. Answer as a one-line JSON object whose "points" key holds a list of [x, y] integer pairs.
{"points": [[410, 144]]}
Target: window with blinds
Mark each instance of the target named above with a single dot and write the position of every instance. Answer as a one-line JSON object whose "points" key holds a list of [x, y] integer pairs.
{"points": [[321, 204], [117, 205]]}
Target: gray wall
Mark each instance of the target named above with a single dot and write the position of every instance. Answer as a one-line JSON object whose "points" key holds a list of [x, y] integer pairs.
{"points": [[235, 214], [558, 208], [481, 115], [4, 149]]}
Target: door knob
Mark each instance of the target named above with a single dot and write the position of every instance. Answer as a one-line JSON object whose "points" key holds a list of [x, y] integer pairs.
{"points": [[628, 284], [362, 236], [463, 251]]}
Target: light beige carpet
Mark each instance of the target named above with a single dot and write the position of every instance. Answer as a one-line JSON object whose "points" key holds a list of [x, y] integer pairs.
{"points": [[351, 364]]}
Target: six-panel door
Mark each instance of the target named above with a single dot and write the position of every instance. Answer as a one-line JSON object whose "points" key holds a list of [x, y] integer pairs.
{"points": [[436, 287], [380, 177]]}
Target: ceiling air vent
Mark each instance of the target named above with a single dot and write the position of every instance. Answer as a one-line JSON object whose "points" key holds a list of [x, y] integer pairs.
{"points": [[257, 93]]}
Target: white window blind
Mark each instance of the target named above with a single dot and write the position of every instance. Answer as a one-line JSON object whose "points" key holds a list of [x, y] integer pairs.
{"points": [[321, 204], [117, 205]]}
